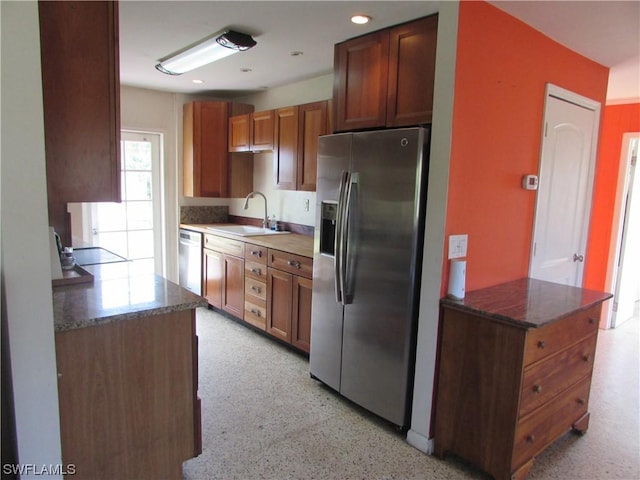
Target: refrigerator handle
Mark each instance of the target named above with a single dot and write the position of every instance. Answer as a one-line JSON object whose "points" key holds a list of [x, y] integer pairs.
{"points": [[344, 241], [339, 250]]}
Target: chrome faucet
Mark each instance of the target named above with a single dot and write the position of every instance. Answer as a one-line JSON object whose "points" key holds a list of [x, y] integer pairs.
{"points": [[265, 222]]}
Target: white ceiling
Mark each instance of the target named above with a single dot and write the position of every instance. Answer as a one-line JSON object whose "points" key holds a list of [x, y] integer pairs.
{"points": [[607, 32]]}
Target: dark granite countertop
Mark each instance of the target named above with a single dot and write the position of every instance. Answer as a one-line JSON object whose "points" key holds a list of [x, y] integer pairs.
{"points": [[118, 293], [527, 303]]}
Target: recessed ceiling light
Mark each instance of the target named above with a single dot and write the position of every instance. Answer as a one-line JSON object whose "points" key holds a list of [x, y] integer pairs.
{"points": [[245, 70], [360, 19], [197, 81], [296, 53]]}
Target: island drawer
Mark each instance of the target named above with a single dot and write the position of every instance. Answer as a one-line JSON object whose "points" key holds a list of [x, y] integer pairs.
{"points": [[255, 313], [556, 336], [255, 288], [255, 270]]}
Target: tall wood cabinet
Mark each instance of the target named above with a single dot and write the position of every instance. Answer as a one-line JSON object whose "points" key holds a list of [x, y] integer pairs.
{"points": [[81, 97], [515, 365], [385, 78], [209, 170]]}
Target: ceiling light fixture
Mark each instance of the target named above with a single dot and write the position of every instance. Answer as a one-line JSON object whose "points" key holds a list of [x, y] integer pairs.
{"points": [[197, 81], [212, 48], [360, 19]]}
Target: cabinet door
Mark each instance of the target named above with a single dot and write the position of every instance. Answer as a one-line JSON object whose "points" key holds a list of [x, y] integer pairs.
{"points": [[412, 60], [262, 131], [213, 277], [240, 133], [301, 313], [233, 285], [279, 304], [360, 86], [205, 155], [285, 156], [312, 119], [81, 105]]}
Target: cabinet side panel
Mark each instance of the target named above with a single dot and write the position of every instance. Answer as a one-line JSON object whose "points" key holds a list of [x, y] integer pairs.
{"points": [[301, 318], [480, 371], [286, 148], [213, 149], [313, 123], [188, 166], [279, 304], [127, 397]]}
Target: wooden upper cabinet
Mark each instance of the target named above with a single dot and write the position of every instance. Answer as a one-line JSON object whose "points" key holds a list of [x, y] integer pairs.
{"points": [[240, 133], [360, 82], [209, 170], [262, 126], [385, 79], [81, 99], [312, 122], [285, 148], [412, 62]]}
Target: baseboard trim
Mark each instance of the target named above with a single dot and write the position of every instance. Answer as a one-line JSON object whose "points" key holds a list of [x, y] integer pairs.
{"points": [[420, 442]]}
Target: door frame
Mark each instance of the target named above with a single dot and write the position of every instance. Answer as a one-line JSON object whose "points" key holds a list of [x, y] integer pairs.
{"points": [[554, 91], [625, 179]]}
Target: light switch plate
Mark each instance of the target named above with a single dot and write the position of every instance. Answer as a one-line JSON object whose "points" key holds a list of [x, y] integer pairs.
{"points": [[458, 246]]}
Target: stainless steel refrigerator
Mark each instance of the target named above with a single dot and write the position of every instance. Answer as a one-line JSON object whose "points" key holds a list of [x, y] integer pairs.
{"points": [[371, 199]]}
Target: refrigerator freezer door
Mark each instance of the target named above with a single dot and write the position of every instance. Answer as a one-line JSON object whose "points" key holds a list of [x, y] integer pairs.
{"points": [[383, 264], [334, 153]]}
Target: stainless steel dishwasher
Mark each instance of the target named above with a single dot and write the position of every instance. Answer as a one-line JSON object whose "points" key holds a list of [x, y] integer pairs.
{"points": [[190, 256]]}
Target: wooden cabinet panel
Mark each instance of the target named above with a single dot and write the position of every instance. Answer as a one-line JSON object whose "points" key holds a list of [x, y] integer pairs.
{"points": [[81, 100], [262, 131], [301, 313], [289, 262], [312, 118], [360, 86], [255, 313], [285, 148], [412, 62], [224, 245], [279, 304], [233, 286], [255, 253], [127, 397], [209, 170], [385, 78], [213, 273], [255, 270], [240, 133]]}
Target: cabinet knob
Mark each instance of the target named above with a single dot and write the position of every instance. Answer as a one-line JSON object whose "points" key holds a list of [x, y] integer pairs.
{"points": [[257, 253], [257, 271], [586, 358], [541, 344], [256, 312], [592, 320], [581, 401], [256, 289], [294, 264], [537, 388], [531, 438]]}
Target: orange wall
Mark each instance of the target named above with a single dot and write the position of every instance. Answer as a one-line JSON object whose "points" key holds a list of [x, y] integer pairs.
{"points": [[607, 197], [502, 67]]}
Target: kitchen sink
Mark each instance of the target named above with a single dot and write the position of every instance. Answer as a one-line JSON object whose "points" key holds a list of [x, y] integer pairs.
{"points": [[245, 230]]}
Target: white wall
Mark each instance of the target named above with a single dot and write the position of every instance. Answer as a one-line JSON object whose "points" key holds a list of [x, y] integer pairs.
{"points": [[26, 276], [428, 319]]}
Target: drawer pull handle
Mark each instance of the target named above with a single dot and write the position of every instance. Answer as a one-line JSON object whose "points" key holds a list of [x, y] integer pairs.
{"points": [[294, 264], [537, 388], [531, 438], [257, 271], [256, 312], [256, 289], [257, 253], [541, 344], [581, 401]]}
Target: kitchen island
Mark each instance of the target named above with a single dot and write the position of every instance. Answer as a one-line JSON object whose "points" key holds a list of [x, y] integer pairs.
{"points": [[126, 353], [515, 364]]}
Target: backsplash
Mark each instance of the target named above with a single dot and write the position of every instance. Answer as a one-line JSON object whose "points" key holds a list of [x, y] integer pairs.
{"points": [[204, 214]]}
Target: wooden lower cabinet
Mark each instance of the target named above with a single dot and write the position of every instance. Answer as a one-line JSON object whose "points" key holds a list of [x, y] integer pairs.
{"points": [[301, 313], [279, 304], [223, 274], [128, 397], [505, 392]]}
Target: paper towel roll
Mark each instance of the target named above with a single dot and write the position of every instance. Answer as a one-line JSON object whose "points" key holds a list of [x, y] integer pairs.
{"points": [[457, 276]]}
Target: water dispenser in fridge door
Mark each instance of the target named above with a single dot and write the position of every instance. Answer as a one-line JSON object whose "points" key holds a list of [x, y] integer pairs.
{"points": [[328, 227]]}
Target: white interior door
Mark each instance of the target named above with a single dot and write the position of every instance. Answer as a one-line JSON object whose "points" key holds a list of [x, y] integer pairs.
{"points": [[563, 203], [627, 291]]}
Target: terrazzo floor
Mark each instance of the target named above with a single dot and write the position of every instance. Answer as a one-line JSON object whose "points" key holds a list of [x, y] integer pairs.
{"points": [[263, 417]]}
